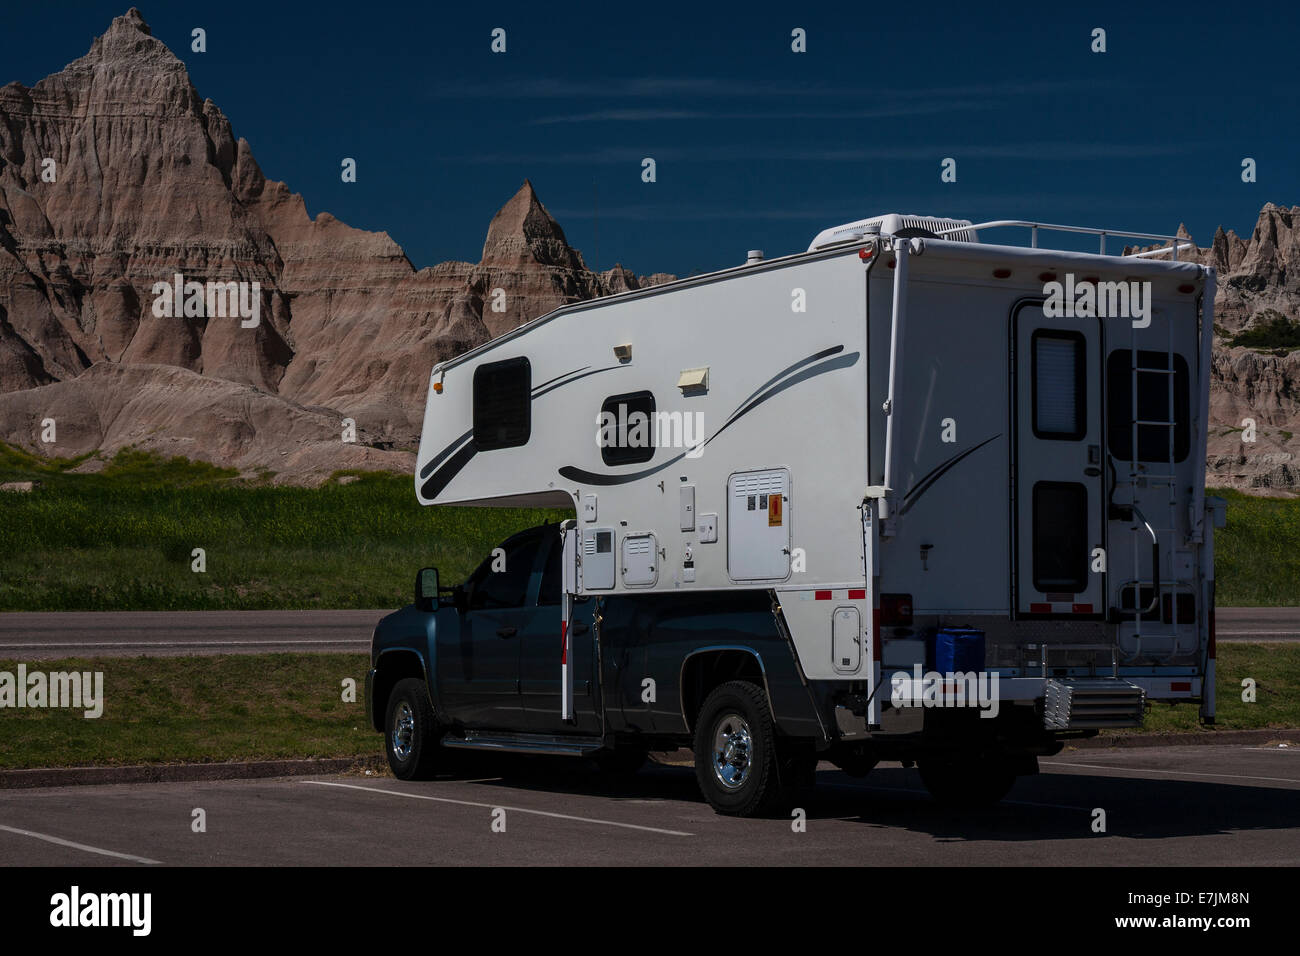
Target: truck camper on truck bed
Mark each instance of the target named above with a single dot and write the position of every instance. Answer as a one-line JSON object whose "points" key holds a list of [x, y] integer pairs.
{"points": [[908, 495]]}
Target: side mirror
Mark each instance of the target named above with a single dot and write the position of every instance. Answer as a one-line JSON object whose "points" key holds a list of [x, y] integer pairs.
{"points": [[426, 589]]}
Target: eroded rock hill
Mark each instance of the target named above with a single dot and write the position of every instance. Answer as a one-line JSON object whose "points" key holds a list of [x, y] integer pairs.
{"points": [[148, 180]]}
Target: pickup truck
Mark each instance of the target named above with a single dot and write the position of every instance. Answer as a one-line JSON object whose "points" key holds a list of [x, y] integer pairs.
{"points": [[477, 666]]}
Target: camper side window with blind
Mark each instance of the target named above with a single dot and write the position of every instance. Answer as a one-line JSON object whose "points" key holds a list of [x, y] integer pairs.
{"points": [[1060, 409], [503, 404]]}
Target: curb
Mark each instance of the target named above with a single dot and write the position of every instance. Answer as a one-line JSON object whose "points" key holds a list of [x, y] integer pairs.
{"points": [[181, 773], [1201, 738], [255, 769]]}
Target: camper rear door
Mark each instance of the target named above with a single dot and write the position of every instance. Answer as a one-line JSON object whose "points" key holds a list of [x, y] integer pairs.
{"points": [[1059, 482]]}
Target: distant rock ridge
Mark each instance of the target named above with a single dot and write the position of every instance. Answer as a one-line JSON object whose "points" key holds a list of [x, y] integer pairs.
{"points": [[1255, 276], [149, 181]]}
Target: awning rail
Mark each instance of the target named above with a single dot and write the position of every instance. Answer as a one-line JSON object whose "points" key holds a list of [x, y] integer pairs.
{"points": [[1176, 242]]}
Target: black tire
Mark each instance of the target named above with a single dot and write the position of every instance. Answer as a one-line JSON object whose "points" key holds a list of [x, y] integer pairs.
{"points": [[748, 778], [967, 782], [412, 750]]}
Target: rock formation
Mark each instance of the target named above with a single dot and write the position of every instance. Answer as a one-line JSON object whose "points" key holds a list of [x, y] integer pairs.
{"points": [[1257, 277], [116, 175]]}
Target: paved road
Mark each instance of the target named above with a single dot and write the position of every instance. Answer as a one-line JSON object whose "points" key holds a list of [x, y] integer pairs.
{"points": [[29, 636], [1238, 624], [1206, 806]]}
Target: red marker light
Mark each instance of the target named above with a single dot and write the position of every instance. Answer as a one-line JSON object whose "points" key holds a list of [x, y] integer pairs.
{"points": [[1047, 276], [1002, 273], [865, 253]]}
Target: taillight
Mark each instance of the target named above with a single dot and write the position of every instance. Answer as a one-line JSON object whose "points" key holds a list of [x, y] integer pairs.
{"points": [[896, 610]]}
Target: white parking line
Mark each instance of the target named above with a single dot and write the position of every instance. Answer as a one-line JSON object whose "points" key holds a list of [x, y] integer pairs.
{"points": [[494, 806], [1176, 773], [77, 846]]}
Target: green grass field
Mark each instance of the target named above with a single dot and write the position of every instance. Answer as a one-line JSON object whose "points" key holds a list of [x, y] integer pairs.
{"points": [[267, 706], [1257, 556], [197, 710], [1275, 669], [122, 539]]}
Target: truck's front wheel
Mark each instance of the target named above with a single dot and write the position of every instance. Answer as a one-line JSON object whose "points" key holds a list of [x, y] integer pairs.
{"points": [[736, 759], [410, 731]]}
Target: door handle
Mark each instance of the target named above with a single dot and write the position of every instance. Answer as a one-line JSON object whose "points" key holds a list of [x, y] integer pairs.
{"points": [[580, 628], [507, 631]]}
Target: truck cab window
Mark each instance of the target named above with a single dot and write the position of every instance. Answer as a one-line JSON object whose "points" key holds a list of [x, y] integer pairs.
{"points": [[551, 575], [503, 582]]}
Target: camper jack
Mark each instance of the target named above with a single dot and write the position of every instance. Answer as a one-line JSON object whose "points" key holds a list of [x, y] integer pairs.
{"points": [[921, 482]]}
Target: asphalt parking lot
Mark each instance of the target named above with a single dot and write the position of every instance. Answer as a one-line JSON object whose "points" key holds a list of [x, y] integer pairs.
{"points": [[1190, 805]]}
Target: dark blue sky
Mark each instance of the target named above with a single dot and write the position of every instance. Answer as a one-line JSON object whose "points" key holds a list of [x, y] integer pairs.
{"points": [[757, 147]]}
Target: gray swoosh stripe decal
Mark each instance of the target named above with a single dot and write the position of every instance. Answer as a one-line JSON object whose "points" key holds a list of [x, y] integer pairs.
{"points": [[922, 486], [575, 473], [846, 361], [537, 392], [834, 350], [540, 391]]}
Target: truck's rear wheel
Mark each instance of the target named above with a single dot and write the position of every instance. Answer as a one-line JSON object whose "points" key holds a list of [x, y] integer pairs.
{"points": [[410, 731], [967, 782], [737, 762]]}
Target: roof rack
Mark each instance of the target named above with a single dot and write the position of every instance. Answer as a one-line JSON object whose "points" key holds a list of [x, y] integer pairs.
{"points": [[1177, 242]]}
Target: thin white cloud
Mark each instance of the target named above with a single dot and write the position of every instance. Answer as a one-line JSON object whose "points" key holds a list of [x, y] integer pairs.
{"points": [[617, 88], [1032, 151], [633, 115]]}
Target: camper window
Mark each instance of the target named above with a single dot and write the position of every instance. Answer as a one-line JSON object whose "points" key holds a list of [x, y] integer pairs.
{"points": [[627, 428], [1060, 407], [502, 404], [1060, 537], [1152, 406]]}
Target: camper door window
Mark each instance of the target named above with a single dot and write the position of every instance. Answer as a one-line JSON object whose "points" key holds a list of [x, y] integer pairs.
{"points": [[1060, 405]]}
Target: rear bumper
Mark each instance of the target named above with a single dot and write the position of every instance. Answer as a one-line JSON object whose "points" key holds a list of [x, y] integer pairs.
{"points": [[1030, 689]]}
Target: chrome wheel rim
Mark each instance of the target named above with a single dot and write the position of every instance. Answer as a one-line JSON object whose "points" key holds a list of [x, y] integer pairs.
{"points": [[732, 751], [403, 731]]}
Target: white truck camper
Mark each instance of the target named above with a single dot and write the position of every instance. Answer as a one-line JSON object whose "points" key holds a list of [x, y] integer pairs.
{"points": [[901, 431]]}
